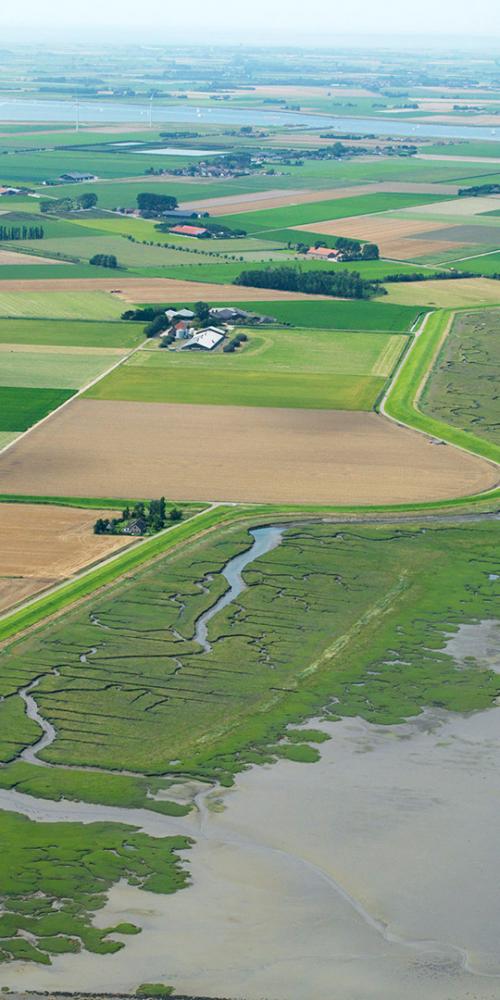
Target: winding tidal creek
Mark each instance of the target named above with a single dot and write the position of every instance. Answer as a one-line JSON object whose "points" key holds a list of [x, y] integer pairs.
{"points": [[373, 869]]}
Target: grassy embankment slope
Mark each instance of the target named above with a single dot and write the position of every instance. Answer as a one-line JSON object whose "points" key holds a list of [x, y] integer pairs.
{"points": [[403, 400]]}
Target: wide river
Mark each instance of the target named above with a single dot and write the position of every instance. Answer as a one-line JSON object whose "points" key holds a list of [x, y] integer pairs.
{"points": [[92, 112]]}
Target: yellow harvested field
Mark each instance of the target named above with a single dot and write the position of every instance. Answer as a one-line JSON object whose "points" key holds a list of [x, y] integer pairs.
{"points": [[391, 232], [446, 294], [42, 545], [13, 589], [155, 290], [238, 454], [11, 257]]}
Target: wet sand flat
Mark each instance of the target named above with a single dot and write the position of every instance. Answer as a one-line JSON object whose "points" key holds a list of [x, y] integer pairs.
{"points": [[367, 875], [190, 452]]}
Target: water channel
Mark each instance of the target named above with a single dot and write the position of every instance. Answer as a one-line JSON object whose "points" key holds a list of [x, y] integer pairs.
{"points": [[90, 112]]}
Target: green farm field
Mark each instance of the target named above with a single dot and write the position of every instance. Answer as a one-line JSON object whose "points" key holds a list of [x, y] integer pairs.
{"points": [[70, 333], [22, 407], [225, 273], [284, 368], [59, 305], [323, 211], [339, 314], [128, 252], [52, 369]]}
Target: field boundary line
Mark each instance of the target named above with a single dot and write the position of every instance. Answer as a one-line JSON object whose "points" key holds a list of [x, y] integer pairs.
{"points": [[125, 357], [400, 400]]}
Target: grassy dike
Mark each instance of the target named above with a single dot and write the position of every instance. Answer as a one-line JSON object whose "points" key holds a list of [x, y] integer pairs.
{"points": [[401, 401], [108, 571]]}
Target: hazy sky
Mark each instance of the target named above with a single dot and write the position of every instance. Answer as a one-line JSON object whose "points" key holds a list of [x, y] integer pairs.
{"points": [[250, 20]]}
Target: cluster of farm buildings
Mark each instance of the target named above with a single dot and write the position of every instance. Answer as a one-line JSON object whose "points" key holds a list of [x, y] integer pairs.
{"points": [[189, 337]]}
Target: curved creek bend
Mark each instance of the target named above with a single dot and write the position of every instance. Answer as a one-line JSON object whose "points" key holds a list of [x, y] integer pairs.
{"points": [[353, 871]]}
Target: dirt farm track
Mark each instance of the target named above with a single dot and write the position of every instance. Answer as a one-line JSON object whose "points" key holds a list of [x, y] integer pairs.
{"points": [[189, 452]]}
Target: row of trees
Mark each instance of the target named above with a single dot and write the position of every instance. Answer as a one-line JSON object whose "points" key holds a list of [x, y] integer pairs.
{"points": [[21, 233], [342, 284], [104, 260], [233, 344]]}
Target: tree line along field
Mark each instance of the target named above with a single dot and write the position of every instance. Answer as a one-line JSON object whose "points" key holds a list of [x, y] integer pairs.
{"points": [[226, 272], [462, 388], [338, 314], [308, 369]]}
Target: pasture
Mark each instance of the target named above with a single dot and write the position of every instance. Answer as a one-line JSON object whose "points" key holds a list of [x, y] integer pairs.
{"points": [[70, 333], [49, 303], [21, 407], [300, 368], [336, 314], [105, 448]]}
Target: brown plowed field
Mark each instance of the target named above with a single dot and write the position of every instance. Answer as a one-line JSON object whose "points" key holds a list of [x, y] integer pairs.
{"points": [[155, 289], [41, 545], [235, 453], [396, 237]]}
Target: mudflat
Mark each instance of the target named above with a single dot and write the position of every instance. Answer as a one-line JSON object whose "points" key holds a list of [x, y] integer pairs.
{"points": [[194, 452]]}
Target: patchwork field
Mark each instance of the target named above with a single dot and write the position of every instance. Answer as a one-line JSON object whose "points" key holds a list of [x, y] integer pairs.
{"points": [[42, 545], [127, 252], [53, 367], [314, 370], [462, 388], [391, 234], [302, 215], [453, 294], [236, 453]]}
